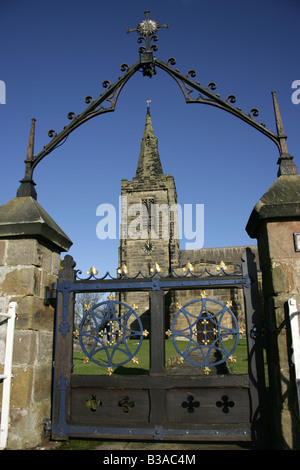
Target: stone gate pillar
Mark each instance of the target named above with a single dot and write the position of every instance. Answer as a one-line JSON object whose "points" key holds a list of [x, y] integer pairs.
{"points": [[275, 221], [30, 247]]}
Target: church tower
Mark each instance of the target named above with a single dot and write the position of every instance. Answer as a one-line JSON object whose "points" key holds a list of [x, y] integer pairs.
{"points": [[149, 230]]}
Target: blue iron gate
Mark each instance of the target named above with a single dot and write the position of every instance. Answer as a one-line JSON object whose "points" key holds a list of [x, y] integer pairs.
{"points": [[199, 402]]}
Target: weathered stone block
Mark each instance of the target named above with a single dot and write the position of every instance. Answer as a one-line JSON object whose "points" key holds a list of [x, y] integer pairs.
{"points": [[282, 277], [25, 347], [42, 383], [3, 245], [296, 273], [281, 239], [22, 384], [33, 314], [24, 252], [26, 427], [29, 252], [44, 348], [23, 281]]}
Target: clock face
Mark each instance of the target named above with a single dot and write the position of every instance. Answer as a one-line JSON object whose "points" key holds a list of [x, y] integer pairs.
{"points": [[148, 247]]}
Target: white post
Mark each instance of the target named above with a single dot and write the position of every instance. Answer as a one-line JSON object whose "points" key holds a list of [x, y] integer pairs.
{"points": [[293, 313], [11, 315]]}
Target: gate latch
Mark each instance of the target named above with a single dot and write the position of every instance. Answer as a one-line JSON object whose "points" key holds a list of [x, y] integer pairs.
{"points": [[257, 333]]}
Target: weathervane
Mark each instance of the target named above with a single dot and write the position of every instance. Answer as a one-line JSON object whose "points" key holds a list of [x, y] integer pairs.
{"points": [[147, 30]]}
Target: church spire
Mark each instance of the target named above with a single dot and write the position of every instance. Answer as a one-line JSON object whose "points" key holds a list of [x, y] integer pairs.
{"points": [[149, 164]]}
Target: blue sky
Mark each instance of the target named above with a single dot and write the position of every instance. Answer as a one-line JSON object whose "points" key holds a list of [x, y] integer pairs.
{"points": [[55, 54]]}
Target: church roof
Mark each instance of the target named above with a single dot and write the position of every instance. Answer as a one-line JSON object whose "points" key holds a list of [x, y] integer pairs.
{"points": [[149, 164]]}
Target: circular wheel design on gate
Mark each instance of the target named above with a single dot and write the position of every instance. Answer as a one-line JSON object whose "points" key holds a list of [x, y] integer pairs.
{"points": [[105, 331], [205, 333]]}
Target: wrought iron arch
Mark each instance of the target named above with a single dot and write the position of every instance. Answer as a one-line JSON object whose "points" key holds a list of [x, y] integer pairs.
{"points": [[147, 63]]}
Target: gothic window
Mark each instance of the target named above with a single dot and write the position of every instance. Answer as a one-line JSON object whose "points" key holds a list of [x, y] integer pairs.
{"points": [[147, 202]]}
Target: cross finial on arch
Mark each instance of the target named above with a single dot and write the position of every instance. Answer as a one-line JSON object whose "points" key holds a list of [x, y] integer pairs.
{"points": [[147, 27], [147, 30]]}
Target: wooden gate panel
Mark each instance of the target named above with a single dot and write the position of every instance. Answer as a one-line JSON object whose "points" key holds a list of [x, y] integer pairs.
{"points": [[159, 405], [223, 406], [101, 406]]}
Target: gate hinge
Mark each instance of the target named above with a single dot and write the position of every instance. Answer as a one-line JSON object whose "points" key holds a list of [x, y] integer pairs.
{"points": [[47, 426], [50, 295]]}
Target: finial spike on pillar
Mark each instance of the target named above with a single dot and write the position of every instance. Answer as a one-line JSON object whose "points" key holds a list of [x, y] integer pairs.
{"points": [[30, 148], [27, 184], [279, 124], [285, 161]]}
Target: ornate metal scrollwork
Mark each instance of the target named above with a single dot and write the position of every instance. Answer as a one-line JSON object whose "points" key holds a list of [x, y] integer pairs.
{"points": [[231, 98], [88, 99], [124, 67], [146, 30], [106, 102], [95, 108], [205, 96], [71, 116], [106, 84], [205, 332], [220, 270], [52, 133], [104, 333], [64, 328]]}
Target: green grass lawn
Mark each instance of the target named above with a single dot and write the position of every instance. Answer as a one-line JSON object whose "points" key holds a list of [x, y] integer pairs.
{"points": [[239, 366]]}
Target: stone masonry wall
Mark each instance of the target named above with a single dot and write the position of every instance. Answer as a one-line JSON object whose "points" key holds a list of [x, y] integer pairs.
{"points": [[273, 222], [26, 267], [281, 281]]}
